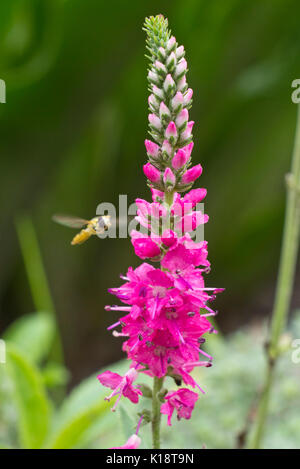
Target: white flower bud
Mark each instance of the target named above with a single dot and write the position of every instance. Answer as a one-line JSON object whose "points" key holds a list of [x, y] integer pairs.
{"points": [[179, 53], [153, 77]]}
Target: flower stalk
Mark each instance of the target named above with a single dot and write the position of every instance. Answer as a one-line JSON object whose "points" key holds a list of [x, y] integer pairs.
{"points": [[156, 416], [285, 282], [166, 311]]}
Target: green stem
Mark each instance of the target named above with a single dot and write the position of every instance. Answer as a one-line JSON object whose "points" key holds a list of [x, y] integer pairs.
{"points": [[169, 197], [37, 277], [285, 284], [156, 416]]}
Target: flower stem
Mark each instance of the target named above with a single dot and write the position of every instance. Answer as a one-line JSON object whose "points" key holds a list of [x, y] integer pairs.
{"points": [[285, 284], [156, 416], [169, 198]]}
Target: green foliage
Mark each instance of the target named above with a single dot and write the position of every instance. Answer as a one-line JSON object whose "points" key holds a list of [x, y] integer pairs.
{"points": [[29, 418], [30, 399], [126, 422], [33, 334]]}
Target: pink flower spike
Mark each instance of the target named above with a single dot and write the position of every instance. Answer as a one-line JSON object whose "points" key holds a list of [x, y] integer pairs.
{"points": [[163, 306], [169, 178], [152, 148], [182, 118], [180, 159], [171, 131], [191, 174], [132, 443], [183, 401], [155, 121], [152, 173]]}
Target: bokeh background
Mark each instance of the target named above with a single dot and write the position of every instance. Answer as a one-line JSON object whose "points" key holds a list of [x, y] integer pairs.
{"points": [[72, 132]]}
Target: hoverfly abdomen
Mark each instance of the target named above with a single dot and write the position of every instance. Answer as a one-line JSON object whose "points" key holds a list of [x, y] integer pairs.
{"points": [[82, 236]]}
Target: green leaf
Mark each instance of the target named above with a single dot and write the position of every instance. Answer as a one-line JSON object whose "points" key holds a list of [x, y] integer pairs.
{"points": [[127, 422], [82, 411], [30, 399], [71, 434], [33, 334], [54, 375]]}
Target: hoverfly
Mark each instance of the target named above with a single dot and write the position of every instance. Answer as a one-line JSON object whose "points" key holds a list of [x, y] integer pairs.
{"points": [[95, 226]]}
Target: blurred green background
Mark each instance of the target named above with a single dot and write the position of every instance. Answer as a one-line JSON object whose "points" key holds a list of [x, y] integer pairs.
{"points": [[72, 132]]}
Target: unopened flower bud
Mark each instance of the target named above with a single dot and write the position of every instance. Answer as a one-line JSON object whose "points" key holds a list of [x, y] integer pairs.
{"points": [[186, 134], [158, 92], [182, 118], [167, 147], [179, 53], [188, 149], [195, 196], [191, 174], [164, 111], [152, 173], [177, 101], [187, 96], [162, 53], [153, 77], [179, 159], [171, 132], [181, 68], [169, 238], [171, 61], [152, 101], [154, 121], [169, 178], [171, 44], [169, 84], [161, 68], [152, 148], [145, 248], [181, 85]]}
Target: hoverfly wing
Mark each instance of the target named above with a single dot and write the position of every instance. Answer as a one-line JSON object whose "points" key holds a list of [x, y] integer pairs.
{"points": [[71, 222]]}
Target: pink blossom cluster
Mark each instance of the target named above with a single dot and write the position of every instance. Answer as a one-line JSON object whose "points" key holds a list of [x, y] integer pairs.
{"points": [[164, 308]]}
